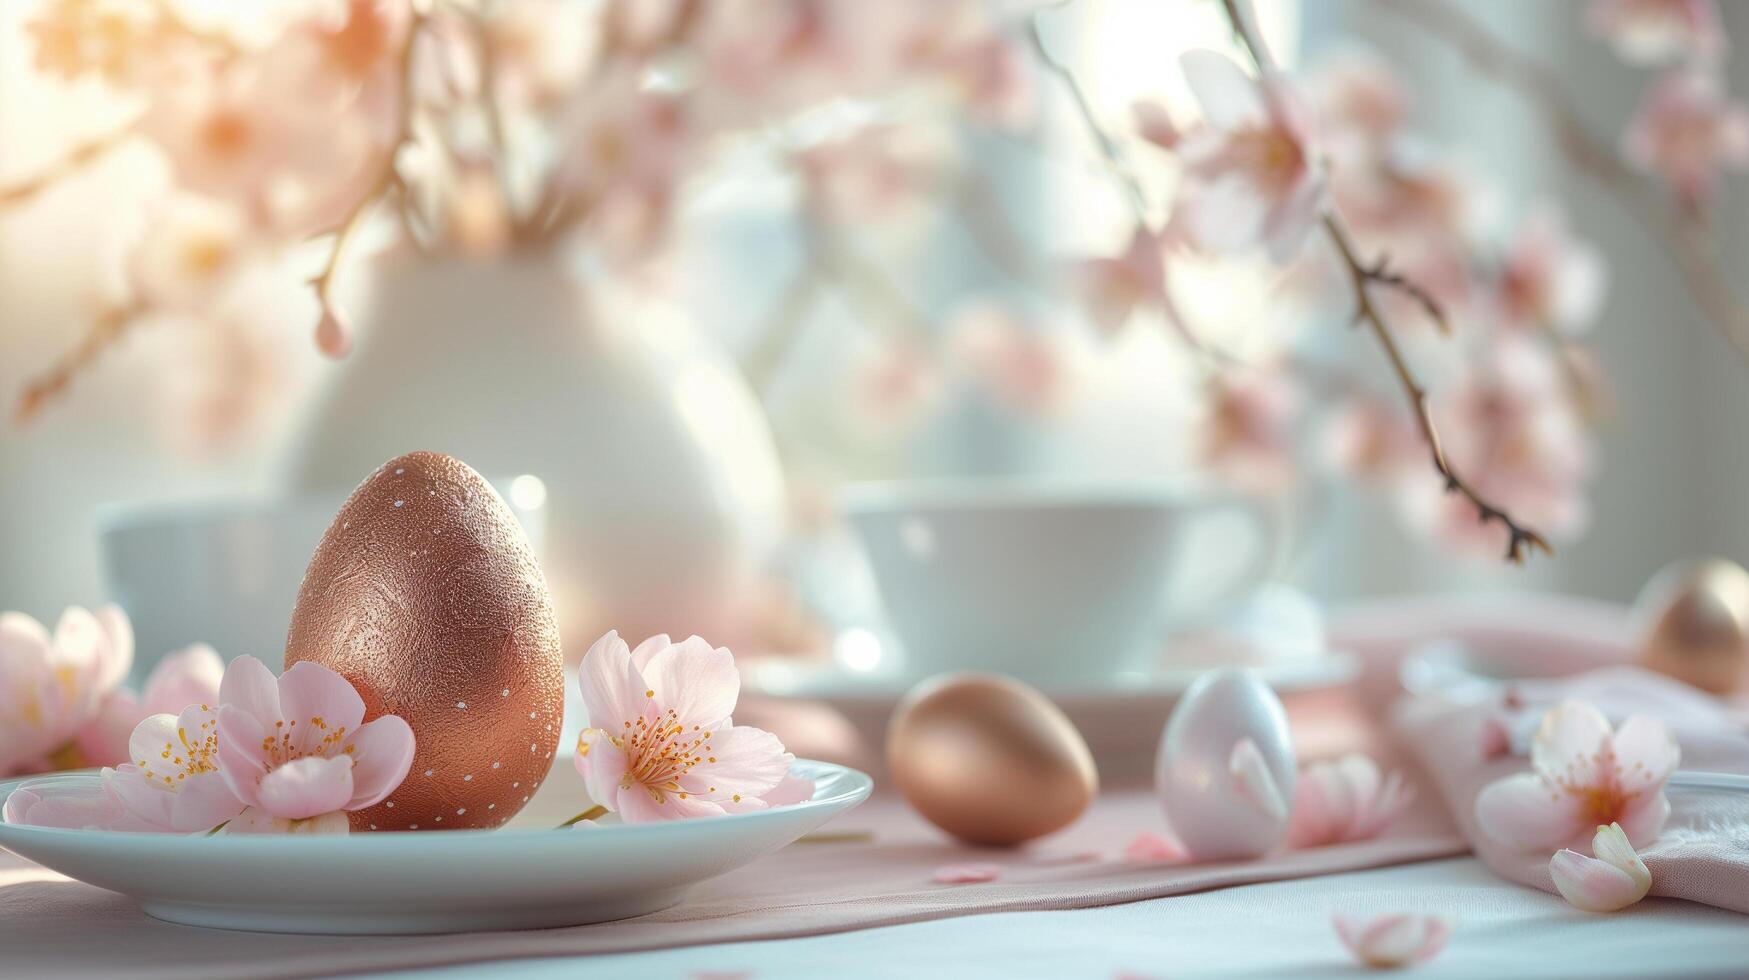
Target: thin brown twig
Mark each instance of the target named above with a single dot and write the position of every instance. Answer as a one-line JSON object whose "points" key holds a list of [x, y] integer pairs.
{"points": [[1690, 245], [103, 332], [1379, 274], [1520, 539], [388, 176], [1108, 148], [81, 156]]}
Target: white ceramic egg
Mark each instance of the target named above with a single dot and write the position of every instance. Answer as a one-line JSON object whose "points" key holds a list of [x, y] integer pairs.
{"points": [[1225, 772]]}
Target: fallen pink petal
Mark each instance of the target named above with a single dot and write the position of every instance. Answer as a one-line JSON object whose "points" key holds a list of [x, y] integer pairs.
{"points": [[1389, 942], [1611, 880], [966, 874]]}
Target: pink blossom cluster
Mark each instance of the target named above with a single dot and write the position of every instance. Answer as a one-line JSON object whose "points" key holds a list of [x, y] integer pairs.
{"points": [[223, 747]]}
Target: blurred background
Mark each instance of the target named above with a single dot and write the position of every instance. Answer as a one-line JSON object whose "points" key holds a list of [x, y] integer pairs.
{"points": [[803, 261]]}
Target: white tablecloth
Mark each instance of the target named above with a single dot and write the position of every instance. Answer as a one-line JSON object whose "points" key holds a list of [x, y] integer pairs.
{"points": [[1276, 929]]}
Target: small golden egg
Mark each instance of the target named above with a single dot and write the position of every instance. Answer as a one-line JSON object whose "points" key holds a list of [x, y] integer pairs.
{"points": [[1694, 624], [988, 759]]}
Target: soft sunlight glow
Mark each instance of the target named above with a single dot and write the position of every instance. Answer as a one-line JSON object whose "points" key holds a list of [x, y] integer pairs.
{"points": [[858, 650], [527, 492]]}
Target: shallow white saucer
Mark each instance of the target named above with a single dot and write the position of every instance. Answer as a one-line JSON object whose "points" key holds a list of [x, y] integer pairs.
{"points": [[425, 882]]}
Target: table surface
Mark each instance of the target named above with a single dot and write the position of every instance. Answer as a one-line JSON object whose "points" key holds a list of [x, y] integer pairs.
{"points": [[1275, 929]]}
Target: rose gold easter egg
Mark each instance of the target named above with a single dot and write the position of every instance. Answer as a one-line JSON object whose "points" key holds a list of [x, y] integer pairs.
{"points": [[1695, 624], [425, 594], [989, 759]]}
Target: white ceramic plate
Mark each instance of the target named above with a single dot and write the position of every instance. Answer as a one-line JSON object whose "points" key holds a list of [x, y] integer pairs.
{"points": [[454, 881]]}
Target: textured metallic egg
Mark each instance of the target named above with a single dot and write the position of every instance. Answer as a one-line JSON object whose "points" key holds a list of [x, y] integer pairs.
{"points": [[425, 594], [989, 759], [1694, 624]]}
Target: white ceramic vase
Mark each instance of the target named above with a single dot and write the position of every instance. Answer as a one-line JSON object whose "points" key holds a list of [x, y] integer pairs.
{"points": [[663, 483]]}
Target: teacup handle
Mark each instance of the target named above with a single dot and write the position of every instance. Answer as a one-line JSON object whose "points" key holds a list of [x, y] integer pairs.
{"points": [[1266, 526]]}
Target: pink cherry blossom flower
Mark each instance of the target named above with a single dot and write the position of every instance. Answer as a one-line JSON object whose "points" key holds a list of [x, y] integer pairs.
{"points": [[1583, 775], [965, 874], [81, 803], [1551, 278], [1346, 800], [1361, 104], [1253, 172], [1152, 848], [1389, 942], [1012, 359], [60, 695], [297, 749], [1686, 131], [1249, 435], [1115, 288], [1650, 32], [172, 779], [1613, 880], [661, 745], [190, 676], [1154, 124], [194, 247]]}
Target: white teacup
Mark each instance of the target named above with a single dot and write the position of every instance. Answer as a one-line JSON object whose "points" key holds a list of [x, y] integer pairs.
{"points": [[1053, 583]]}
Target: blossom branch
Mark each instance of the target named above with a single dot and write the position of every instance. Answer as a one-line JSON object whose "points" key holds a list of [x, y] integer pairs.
{"points": [[51, 384], [1108, 147], [335, 342], [1691, 248], [1520, 539], [81, 157]]}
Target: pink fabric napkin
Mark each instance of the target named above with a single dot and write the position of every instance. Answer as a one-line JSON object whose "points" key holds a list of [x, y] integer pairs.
{"points": [[1703, 852]]}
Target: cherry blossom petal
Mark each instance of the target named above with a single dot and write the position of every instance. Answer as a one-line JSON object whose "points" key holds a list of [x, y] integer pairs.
{"points": [[254, 821], [249, 687], [307, 787], [1525, 812], [965, 874], [1646, 753], [1569, 743], [695, 681], [649, 648], [613, 689], [1227, 214], [202, 802], [602, 764], [1229, 97], [189, 676], [1392, 941], [742, 762], [103, 741], [316, 703], [147, 801], [87, 805], [1643, 818], [118, 650], [152, 739], [1253, 782], [639, 805], [1609, 882], [790, 791], [382, 752], [1151, 848], [241, 758]]}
